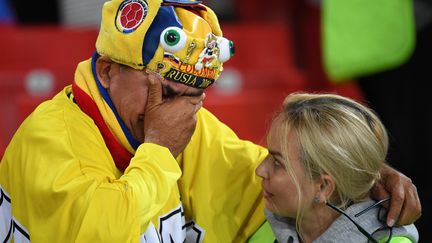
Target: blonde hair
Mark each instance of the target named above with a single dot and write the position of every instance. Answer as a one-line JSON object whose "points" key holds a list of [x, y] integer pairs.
{"points": [[336, 136]]}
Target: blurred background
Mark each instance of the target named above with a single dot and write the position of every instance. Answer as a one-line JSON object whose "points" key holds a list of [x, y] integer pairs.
{"points": [[282, 46]]}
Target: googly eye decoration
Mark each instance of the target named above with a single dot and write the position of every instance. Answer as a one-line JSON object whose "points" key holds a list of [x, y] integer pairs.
{"points": [[226, 48], [173, 39]]}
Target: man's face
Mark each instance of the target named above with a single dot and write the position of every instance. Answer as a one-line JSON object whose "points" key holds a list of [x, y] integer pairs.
{"points": [[128, 89]]}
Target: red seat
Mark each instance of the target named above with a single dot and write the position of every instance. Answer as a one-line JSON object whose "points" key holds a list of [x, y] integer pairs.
{"points": [[248, 111], [264, 74], [260, 45], [263, 58], [54, 50], [2, 149]]}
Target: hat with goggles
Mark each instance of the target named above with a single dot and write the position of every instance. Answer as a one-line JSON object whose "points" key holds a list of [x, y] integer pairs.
{"points": [[179, 39]]}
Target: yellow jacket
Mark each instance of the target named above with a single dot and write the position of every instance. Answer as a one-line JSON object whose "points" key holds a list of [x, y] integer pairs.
{"points": [[59, 183]]}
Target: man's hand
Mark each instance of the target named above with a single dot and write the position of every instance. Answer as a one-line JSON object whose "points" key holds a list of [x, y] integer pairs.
{"points": [[169, 123], [405, 207]]}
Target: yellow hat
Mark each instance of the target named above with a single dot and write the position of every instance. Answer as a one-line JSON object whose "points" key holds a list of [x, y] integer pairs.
{"points": [[179, 39]]}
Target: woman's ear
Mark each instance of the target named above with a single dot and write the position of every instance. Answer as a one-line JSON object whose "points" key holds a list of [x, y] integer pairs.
{"points": [[103, 68], [325, 188]]}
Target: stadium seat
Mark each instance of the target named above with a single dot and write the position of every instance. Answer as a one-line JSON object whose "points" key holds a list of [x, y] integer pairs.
{"points": [[256, 80], [37, 62], [263, 61]]}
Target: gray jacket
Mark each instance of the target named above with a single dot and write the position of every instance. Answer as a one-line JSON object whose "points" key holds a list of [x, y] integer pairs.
{"points": [[343, 230]]}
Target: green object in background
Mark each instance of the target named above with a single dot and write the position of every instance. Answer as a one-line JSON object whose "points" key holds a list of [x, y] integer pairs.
{"points": [[263, 235], [362, 37]]}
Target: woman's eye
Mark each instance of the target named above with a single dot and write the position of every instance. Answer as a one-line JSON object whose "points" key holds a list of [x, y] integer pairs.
{"points": [[276, 163], [173, 39]]}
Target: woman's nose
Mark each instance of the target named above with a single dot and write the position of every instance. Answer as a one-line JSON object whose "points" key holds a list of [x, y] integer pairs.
{"points": [[261, 170]]}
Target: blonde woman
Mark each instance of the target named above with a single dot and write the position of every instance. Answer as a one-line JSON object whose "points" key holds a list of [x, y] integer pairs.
{"points": [[325, 154]]}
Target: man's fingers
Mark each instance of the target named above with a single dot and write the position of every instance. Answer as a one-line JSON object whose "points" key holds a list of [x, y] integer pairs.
{"points": [[189, 103], [198, 106], [379, 192], [198, 102], [196, 99], [411, 201], [155, 90], [405, 205], [396, 204], [417, 205]]}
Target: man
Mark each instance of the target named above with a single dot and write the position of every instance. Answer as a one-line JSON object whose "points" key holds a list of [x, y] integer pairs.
{"points": [[127, 154]]}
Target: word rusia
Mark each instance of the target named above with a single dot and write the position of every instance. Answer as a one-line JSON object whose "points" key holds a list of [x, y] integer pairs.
{"points": [[188, 79]]}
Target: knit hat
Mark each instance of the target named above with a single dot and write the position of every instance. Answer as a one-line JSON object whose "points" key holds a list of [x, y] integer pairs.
{"points": [[179, 39]]}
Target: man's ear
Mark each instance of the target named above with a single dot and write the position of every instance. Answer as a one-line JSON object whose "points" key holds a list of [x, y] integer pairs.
{"points": [[103, 68], [325, 187]]}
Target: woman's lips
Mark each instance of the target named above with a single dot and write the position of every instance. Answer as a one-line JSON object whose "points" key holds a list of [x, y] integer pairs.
{"points": [[267, 194]]}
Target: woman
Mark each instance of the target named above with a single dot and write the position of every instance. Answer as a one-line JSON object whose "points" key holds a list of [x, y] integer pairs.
{"points": [[325, 153]]}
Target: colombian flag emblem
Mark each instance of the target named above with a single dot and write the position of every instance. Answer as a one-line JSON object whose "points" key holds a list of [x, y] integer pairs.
{"points": [[130, 15]]}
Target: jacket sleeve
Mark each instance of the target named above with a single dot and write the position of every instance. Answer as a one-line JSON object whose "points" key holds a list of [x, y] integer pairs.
{"points": [[64, 186], [219, 188]]}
